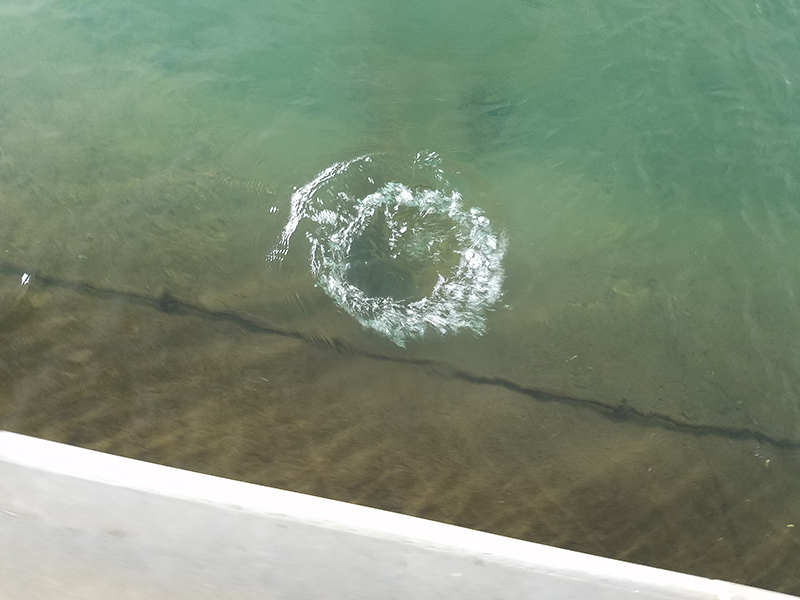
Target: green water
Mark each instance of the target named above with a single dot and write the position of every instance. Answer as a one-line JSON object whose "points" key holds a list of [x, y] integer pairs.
{"points": [[642, 159]]}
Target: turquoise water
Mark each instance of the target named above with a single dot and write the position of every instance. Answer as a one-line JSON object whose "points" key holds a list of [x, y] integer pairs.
{"points": [[636, 161]]}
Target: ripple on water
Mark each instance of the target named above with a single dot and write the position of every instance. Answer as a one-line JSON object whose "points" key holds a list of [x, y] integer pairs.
{"points": [[393, 245]]}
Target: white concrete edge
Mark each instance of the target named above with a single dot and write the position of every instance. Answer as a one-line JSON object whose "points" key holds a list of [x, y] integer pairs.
{"points": [[176, 483]]}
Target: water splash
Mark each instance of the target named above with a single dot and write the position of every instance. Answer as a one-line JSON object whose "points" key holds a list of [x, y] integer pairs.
{"points": [[400, 258]]}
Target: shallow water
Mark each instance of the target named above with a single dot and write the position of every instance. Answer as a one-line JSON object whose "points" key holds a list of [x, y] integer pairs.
{"points": [[634, 392]]}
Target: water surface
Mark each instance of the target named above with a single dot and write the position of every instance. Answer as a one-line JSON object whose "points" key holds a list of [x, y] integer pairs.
{"points": [[635, 390]]}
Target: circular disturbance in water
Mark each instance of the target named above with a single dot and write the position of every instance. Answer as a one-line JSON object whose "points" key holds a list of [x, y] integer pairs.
{"points": [[400, 258]]}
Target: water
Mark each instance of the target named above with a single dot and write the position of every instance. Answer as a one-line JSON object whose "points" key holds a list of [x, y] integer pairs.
{"points": [[401, 261], [577, 323]]}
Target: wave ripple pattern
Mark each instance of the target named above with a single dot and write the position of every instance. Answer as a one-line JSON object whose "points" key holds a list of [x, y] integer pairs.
{"points": [[394, 246]]}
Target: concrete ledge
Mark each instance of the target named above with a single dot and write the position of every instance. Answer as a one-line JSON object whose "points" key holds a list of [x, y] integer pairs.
{"points": [[82, 524]]}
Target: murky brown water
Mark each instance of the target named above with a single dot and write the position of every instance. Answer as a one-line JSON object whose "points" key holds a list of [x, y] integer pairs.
{"points": [[196, 393]]}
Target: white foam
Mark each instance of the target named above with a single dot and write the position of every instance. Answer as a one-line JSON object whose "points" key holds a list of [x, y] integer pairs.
{"points": [[465, 286]]}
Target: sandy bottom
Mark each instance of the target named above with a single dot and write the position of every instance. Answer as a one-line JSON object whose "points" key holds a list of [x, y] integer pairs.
{"points": [[207, 396]]}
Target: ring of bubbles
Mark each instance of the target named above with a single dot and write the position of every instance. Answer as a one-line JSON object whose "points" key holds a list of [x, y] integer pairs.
{"points": [[400, 258]]}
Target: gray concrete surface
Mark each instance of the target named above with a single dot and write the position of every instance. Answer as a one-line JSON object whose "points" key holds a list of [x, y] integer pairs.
{"points": [[78, 524]]}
